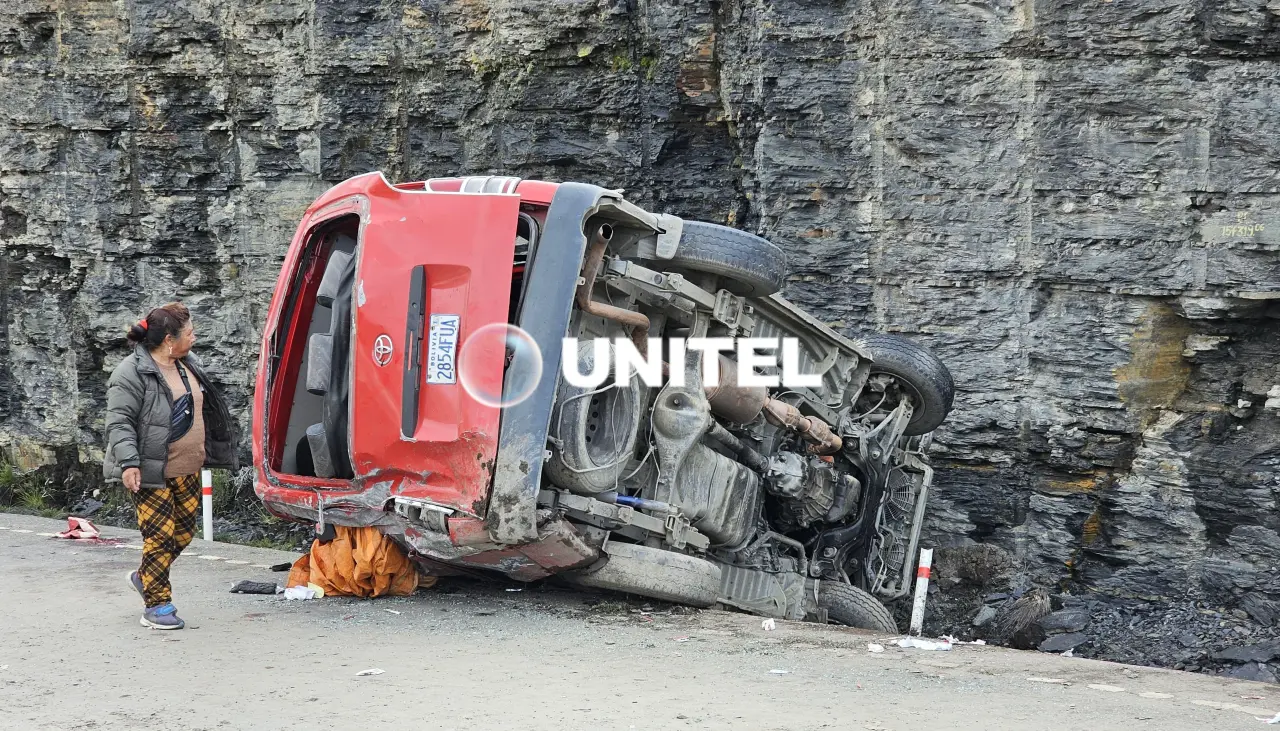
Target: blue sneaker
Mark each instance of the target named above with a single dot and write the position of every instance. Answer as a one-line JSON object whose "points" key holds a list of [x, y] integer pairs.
{"points": [[162, 617], [136, 582]]}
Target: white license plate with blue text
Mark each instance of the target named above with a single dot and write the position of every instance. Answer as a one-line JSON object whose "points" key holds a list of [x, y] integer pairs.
{"points": [[442, 349]]}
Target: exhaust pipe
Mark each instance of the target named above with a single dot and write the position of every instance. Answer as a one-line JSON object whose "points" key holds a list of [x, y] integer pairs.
{"points": [[739, 404], [638, 322], [742, 404], [780, 413]]}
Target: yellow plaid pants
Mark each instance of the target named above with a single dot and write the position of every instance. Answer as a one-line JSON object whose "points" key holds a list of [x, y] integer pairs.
{"points": [[167, 519]]}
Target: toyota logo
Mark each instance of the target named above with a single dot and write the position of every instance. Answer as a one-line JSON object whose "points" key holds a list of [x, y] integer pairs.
{"points": [[383, 349]]}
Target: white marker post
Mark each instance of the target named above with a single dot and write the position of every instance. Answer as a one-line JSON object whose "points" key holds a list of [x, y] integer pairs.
{"points": [[922, 590], [206, 492]]}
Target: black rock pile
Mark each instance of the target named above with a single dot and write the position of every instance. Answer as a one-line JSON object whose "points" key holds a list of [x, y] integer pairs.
{"points": [[1192, 634]]}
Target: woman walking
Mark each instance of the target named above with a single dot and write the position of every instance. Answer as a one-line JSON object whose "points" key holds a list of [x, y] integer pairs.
{"points": [[165, 421]]}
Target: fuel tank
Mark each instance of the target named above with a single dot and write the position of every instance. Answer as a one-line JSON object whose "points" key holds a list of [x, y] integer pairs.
{"points": [[720, 496]]}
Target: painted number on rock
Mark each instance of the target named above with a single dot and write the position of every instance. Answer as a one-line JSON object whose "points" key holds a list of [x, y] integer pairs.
{"points": [[442, 349]]}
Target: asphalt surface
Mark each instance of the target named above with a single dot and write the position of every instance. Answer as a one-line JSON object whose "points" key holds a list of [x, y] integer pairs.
{"points": [[477, 656]]}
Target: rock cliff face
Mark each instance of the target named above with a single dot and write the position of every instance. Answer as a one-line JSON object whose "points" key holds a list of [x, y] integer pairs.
{"points": [[1073, 203]]}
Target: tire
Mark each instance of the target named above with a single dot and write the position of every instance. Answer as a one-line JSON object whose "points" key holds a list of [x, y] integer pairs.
{"points": [[595, 434], [654, 573], [853, 607], [921, 372], [750, 265]]}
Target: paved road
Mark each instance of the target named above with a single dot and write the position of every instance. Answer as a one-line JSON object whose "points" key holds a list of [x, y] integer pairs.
{"points": [[73, 656]]}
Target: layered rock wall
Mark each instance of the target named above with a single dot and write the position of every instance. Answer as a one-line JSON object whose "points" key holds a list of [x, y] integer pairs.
{"points": [[1073, 203]]}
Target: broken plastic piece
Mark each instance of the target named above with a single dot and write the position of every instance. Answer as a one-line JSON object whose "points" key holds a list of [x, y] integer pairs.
{"points": [[79, 528], [873, 647], [370, 671], [780, 672], [1273, 720], [768, 625], [924, 644], [300, 593]]}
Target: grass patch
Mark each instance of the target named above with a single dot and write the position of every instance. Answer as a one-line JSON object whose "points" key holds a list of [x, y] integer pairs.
{"points": [[31, 497], [22, 492], [224, 492], [8, 475]]}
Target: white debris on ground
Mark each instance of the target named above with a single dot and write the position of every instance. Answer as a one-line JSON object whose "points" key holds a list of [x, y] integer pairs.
{"points": [[768, 625], [920, 644], [301, 593], [873, 647]]}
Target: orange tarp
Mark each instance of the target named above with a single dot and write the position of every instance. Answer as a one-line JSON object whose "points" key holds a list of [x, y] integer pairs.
{"points": [[357, 562]]}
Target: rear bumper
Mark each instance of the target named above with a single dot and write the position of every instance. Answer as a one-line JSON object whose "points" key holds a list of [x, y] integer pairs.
{"points": [[550, 281]]}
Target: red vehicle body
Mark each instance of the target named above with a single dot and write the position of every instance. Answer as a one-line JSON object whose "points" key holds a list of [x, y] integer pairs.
{"points": [[360, 417], [466, 243]]}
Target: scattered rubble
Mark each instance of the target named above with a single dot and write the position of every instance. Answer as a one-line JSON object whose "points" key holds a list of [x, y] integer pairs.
{"points": [[1063, 643], [1239, 642]]}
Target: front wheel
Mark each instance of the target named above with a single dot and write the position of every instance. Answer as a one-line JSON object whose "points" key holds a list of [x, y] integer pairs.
{"points": [[853, 607], [900, 366], [749, 265]]}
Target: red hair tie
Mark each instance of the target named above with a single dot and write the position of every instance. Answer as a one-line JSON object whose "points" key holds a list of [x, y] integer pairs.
{"points": [[142, 323]]}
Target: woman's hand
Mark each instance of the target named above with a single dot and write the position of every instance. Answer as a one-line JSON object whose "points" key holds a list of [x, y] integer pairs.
{"points": [[132, 479]]}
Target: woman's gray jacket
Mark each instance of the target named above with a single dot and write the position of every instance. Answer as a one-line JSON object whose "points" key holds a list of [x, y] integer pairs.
{"points": [[139, 404]]}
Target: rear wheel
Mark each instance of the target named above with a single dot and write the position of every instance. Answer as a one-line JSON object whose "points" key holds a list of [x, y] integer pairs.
{"points": [[904, 368], [749, 265], [853, 607]]}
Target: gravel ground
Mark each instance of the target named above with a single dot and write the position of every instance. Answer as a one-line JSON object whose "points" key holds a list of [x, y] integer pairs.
{"points": [[472, 656]]}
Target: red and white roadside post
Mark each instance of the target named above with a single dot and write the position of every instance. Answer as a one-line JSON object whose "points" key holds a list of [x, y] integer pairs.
{"points": [[206, 497], [922, 590]]}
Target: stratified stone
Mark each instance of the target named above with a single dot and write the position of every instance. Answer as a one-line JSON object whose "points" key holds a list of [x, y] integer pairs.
{"points": [[1074, 207]]}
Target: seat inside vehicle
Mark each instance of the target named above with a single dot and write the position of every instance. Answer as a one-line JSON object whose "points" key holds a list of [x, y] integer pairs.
{"points": [[318, 412]]}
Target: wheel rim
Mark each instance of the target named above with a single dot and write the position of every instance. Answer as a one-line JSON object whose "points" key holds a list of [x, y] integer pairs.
{"points": [[906, 388], [609, 416]]}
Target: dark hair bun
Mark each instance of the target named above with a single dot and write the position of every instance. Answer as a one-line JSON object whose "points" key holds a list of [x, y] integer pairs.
{"points": [[162, 322], [137, 333]]}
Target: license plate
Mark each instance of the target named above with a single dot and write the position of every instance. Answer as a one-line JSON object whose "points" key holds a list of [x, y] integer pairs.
{"points": [[442, 349]]}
